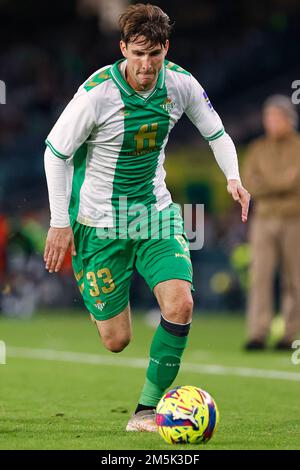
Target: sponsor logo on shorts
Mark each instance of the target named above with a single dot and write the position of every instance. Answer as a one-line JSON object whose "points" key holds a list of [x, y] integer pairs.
{"points": [[180, 255]]}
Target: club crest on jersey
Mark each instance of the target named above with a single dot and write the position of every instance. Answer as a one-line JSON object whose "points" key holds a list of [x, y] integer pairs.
{"points": [[168, 105], [207, 101], [124, 112]]}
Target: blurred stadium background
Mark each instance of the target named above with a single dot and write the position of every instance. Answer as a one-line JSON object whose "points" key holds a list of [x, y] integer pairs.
{"points": [[241, 52]]}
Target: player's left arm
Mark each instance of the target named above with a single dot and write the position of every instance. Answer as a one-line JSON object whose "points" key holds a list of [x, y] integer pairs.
{"points": [[70, 131], [225, 154], [200, 111]]}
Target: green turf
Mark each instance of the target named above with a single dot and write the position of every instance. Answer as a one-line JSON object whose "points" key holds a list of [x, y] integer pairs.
{"points": [[69, 405]]}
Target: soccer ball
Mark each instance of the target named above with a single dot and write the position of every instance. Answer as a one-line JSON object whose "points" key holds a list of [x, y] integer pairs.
{"points": [[187, 415]]}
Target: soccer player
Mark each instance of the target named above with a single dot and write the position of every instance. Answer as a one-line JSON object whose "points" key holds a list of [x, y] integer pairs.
{"points": [[104, 164]]}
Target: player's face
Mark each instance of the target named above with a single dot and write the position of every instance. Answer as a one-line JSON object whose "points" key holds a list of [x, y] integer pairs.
{"points": [[276, 123], [144, 62]]}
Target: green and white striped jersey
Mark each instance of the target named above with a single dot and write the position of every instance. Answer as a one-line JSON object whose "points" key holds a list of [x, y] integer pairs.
{"points": [[114, 139]]}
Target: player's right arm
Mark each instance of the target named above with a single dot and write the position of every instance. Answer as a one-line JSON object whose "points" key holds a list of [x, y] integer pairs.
{"points": [[70, 131], [60, 235]]}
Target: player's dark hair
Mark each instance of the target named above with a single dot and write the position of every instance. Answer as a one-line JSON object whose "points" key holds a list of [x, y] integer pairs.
{"points": [[145, 20]]}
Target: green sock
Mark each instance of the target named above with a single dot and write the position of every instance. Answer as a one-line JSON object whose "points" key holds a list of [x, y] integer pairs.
{"points": [[165, 355]]}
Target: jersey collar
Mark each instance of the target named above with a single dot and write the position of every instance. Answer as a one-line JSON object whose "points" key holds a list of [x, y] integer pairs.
{"points": [[123, 85]]}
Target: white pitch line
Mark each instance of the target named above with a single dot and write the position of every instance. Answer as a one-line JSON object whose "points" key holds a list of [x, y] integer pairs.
{"points": [[85, 358]]}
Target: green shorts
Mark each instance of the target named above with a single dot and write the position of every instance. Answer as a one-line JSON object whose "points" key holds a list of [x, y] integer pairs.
{"points": [[103, 267]]}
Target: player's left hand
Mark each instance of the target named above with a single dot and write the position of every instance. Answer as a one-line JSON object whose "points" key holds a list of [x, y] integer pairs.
{"points": [[240, 194]]}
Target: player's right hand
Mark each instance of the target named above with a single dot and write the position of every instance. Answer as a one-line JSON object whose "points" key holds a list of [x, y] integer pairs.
{"points": [[57, 242]]}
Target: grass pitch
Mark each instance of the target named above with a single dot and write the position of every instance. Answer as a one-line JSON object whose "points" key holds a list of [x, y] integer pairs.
{"points": [[60, 389]]}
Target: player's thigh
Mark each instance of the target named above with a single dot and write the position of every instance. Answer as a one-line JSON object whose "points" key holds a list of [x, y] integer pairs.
{"points": [[103, 270], [175, 300], [166, 266], [165, 254], [164, 259]]}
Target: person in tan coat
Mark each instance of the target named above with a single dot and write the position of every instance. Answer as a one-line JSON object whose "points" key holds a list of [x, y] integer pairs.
{"points": [[272, 175]]}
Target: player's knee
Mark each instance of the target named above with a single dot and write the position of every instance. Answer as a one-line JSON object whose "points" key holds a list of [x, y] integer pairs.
{"points": [[186, 309], [116, 344], [181, 310]]}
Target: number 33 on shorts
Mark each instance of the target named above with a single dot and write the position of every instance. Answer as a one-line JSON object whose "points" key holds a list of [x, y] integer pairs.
{"points": [[93, 285]]}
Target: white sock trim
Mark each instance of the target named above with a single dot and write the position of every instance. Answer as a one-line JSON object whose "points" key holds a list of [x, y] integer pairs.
{"points": [[174, 323]]}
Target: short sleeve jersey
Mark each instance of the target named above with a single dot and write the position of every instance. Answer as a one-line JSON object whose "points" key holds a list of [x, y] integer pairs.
{"points": [[115, 139]]}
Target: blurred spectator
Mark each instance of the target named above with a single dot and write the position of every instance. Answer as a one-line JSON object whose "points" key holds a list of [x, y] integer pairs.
{"points": [[272, 175], [25, 284]]}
